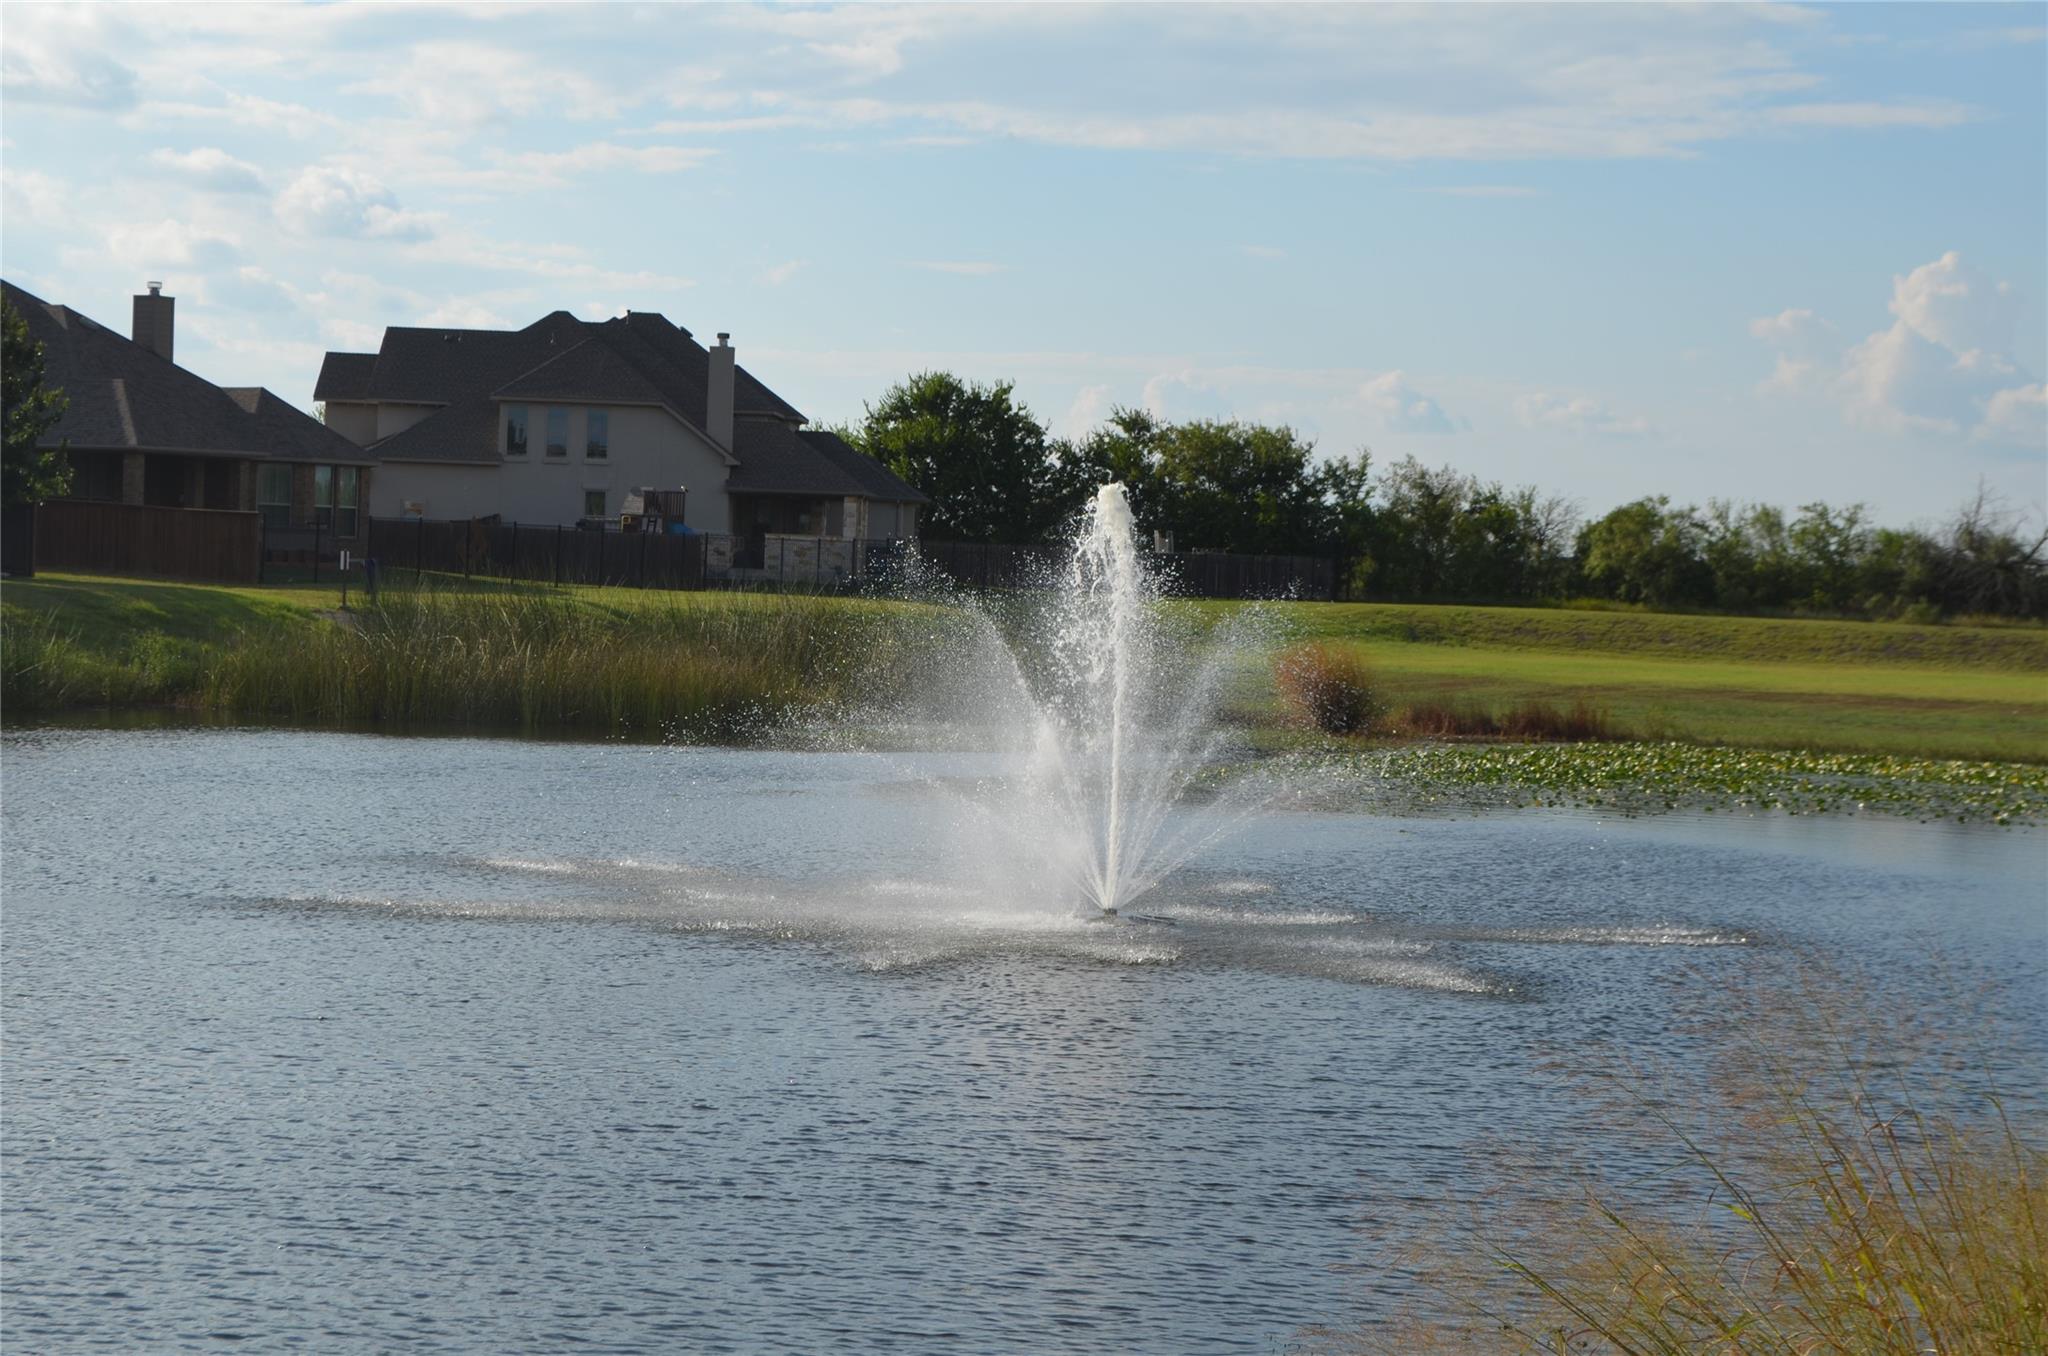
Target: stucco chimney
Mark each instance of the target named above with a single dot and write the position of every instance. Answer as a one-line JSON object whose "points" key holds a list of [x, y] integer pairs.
{"points": [[718, 399], [153, 315]]}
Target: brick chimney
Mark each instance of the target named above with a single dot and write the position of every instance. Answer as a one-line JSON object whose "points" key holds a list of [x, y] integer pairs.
{"points": [[153, 317], [718, 399]]}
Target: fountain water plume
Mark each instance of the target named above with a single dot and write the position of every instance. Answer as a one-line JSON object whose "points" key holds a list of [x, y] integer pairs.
{"points": [[1108, 714]]}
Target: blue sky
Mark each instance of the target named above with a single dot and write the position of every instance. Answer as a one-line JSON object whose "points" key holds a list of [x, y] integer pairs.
{"points": [[1775, 253]]}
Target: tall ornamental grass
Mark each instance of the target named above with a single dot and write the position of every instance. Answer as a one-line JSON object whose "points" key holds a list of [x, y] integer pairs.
{"points": [[531, 661], [1828, 1193]]}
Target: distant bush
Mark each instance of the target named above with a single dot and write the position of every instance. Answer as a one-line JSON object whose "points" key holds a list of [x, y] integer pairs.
{"points": [[1329, 687]]}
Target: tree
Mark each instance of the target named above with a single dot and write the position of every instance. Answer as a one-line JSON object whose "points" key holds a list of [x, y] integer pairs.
{"points": [[991, 472], [1222, 485], [1648, 552], [29, 473]]}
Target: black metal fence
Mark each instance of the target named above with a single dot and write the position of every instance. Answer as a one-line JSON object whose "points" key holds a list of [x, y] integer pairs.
{"points": [[485, 548], [1194, 574]]}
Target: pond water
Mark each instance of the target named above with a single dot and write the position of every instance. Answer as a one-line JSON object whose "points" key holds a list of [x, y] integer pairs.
{"points": [[355, 1043]]}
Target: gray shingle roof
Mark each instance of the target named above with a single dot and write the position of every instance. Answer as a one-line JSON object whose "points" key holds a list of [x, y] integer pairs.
{"points": [[123, 396], [345, 376], [880, 482], [467, 432], [775, 459]]}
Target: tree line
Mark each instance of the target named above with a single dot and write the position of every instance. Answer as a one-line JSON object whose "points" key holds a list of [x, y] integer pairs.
{"points": [[1411, 532]]}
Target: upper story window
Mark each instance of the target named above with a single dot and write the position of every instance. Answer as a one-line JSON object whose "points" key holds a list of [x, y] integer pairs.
{"points": [[597, 434], [515, 430], [558, 431], [323, 495]]}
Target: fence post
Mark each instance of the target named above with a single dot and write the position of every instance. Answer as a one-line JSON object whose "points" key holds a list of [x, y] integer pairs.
{"points": [[316, 548], [558, 553], [262, 545], [641, 568], [419, 551]]}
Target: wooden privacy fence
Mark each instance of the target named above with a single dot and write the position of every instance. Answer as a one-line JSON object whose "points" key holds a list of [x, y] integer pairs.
{"points": [[215, 545]]}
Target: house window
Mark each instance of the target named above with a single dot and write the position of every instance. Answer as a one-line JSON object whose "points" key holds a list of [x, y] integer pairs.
{"points": [[597, 434], [515, 430], [346, 484], [323, 495], [274, 494], [558, 431], [593, 503]]}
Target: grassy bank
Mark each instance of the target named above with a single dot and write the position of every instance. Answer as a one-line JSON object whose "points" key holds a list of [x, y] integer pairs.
{"points": [[625, 661], [608, 661]]}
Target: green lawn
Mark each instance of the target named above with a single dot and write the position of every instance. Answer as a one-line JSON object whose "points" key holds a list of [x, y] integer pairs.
{"points": [[1932, 691]]}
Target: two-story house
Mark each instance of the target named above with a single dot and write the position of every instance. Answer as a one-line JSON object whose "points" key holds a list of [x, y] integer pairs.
{"points": [[559, 422]]}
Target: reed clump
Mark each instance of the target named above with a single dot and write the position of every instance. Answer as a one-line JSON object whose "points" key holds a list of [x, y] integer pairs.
{"points": [[1534, 720], [1329, 688], [44, 667], [533, 661], [1826, 1193]]}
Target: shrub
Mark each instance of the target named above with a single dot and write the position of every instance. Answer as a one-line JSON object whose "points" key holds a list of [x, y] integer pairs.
{"points": [[1329, 687]]}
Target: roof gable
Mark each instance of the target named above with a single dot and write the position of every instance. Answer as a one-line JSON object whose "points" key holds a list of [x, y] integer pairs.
{"points": [[122, 395]]}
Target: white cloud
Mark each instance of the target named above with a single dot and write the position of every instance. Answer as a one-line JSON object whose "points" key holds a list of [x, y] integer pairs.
{"points": [[1402, 408], [462, 314], [165, 244], [966, 268], [210, 167], [1940, 368], [58, 55], [1793, 327], [31, 195], [245, 111], [1265, 251], [2018, 415], [1954, 306], [550, 169], [1090, 409], [457, 84], [782, 273], [334, 200], [1577, 415], [1867, 116]]}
